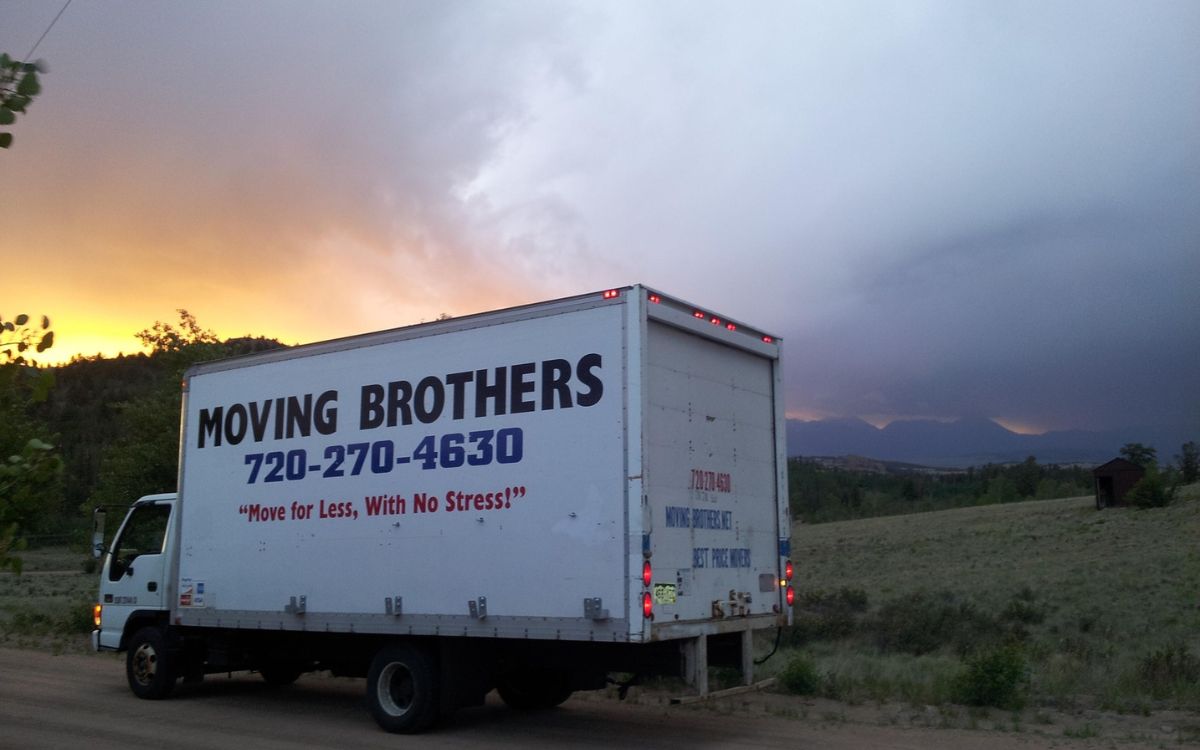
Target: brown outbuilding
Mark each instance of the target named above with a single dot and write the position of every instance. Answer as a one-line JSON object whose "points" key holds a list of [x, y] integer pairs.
{"points": [[1114, 480]]}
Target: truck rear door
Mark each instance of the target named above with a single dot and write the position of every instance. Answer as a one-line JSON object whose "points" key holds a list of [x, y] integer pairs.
{"points": [[710, 474]]}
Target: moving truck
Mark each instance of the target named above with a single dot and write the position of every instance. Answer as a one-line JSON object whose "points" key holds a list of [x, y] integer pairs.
{"points": [[524, 500]]}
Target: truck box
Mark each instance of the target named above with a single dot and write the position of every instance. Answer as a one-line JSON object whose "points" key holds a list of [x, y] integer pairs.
{"points": [[607, 468]]}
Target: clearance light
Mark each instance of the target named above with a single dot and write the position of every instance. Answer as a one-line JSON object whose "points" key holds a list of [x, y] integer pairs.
{"points": [[655, 298], [768, 340], [699, 314], [787, 570], [647, 605], [715, 321], [612, 294], [791, 595], [96, 609], [647, 576], [730, 327]]}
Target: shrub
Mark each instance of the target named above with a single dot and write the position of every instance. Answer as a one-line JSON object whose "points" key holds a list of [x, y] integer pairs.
{"points": [[994, 677], [800, 676], [824, 616], [1024, 608], [1151, 492], [1162, 671], [921, 623]]}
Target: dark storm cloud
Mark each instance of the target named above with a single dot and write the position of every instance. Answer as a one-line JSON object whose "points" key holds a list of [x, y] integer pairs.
{"points": [[945, 208]]}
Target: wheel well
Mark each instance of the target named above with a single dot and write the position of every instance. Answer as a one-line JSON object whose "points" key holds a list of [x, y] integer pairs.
{"points": [[137, 621]]}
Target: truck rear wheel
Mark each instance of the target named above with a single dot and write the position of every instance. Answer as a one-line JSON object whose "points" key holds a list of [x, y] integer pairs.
{"points": [[402, 690], [531, 691], [148, 664]]}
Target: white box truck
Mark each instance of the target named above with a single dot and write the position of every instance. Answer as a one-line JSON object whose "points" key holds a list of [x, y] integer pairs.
{"points": [[526, 500]]}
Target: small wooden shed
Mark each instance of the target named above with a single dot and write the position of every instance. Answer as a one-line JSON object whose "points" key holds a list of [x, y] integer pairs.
{"points": [[1114, 480]]}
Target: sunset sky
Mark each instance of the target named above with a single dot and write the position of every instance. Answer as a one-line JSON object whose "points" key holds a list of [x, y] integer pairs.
{"points": [[945, 209]]}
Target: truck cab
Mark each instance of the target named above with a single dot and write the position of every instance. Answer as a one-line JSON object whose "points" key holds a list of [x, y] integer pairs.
{"points": [[134, 576]]}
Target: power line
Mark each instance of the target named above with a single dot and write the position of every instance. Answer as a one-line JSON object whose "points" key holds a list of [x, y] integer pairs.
{"points": [[33, 49]]}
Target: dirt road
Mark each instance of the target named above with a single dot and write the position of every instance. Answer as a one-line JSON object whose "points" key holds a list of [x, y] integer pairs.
{"points": [[49, 701]]}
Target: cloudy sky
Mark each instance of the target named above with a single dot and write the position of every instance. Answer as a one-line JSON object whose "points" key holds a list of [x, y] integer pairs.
{"points": [[945, 209]]}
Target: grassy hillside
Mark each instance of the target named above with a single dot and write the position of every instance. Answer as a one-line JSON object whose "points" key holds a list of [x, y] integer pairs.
{"points": [[1101, 608]]}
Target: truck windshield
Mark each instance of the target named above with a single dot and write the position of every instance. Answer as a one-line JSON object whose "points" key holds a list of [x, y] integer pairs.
{"points": [[144, 534]]}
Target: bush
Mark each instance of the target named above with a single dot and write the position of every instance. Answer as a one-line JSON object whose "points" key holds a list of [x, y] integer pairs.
{"points": [[826, 616], [1151, 492], [921, 623], [1162, 671], [800, 676], [994, 677]]}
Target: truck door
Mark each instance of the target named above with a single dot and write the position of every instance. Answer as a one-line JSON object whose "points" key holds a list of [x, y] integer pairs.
{"points": [[135, 569]]}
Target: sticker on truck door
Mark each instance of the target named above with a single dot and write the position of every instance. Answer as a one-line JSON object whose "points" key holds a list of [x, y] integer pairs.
{"points": [[191, 593]]}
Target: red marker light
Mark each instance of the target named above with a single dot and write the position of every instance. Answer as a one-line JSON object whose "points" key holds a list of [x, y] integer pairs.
{"points": [[655, 298], [730, 327], [787, 570], [791, 596], [699, 315], [647, 605], [768, 340], [715, 321], [647, 576], [612, 294]]}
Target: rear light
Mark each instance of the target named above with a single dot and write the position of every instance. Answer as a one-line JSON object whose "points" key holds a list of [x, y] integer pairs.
{"points": [[647, 605], [791, 596], [655, 298], [612, 294], [768, 340], [96, 609], [787, 571], [647, 574]]}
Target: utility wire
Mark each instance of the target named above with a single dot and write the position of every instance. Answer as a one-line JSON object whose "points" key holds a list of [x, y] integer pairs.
{"points": [[33, 49]]}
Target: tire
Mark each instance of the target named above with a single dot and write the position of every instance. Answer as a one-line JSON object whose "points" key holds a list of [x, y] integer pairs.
{"points": [[534, 691], [149, 665], [402, 692]]}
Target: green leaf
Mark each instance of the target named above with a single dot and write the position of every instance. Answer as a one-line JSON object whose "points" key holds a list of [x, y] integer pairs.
{"points": [[46, 342], [29, 85], [38, 445], [5, 140], [7, 116], [22, 319], [5, 60]]}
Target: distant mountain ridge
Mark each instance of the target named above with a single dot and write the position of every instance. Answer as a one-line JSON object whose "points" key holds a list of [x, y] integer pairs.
{"points": [[968, 442]]}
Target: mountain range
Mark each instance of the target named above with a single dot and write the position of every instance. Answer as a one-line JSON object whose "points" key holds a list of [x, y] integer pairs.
{"points": [[969, 442]]}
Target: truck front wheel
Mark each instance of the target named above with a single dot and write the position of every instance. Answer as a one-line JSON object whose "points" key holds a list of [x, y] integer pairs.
{"points": [[148, 664], [402, 690]]}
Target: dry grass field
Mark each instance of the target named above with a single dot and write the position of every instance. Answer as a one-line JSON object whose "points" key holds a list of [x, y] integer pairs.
{"points": [[1103, 606]]}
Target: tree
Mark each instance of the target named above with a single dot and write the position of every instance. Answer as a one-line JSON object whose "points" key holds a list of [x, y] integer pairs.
{"points": [[26, 478], [1142, 455], [29, 469], [1189, 462], [17, 336], [18, 85], [144, 458], [1025, 477]]}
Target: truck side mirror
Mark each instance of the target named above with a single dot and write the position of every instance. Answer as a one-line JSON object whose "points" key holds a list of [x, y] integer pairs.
{"points": [[98, 533]]}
